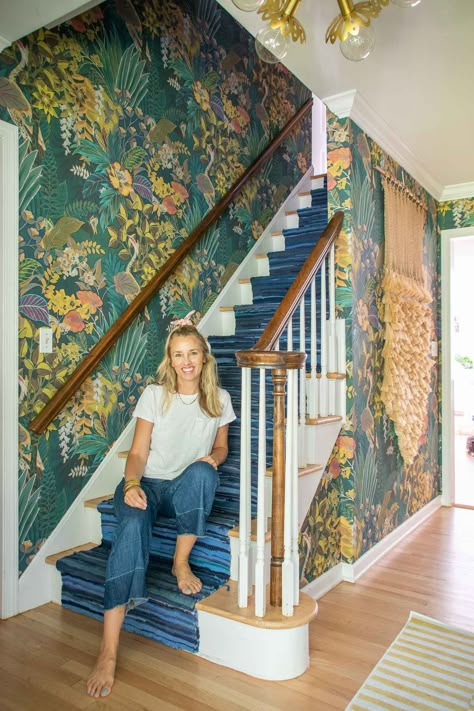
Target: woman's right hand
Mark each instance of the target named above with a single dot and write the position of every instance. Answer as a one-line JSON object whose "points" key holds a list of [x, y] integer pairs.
{"points": [[136, 498]]}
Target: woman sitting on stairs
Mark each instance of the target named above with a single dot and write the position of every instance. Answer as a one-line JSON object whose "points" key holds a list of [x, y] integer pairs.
{"points": [[179, 442]]}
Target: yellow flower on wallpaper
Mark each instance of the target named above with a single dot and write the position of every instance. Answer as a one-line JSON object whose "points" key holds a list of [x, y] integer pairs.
{"points": [[100, 396], [347, 548], [45, 100], [120, 178], [201, 95]]}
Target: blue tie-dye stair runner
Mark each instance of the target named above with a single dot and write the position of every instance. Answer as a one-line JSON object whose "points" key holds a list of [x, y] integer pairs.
{"points": [[169, 616]]}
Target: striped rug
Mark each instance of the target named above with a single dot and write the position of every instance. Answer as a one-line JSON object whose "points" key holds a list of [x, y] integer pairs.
{"points": [[429, 667]]}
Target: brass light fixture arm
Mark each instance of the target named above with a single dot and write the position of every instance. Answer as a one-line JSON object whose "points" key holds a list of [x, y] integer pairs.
{"points": [[359, 14], [280, 15]]}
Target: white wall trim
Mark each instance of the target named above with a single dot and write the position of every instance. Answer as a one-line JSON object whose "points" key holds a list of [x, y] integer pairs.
{"points": [[341, 104], [9, 369], [4, 43], [326, 582], [447, 391], [351, 103], [460, 191], [347, 572], [353, 572]]}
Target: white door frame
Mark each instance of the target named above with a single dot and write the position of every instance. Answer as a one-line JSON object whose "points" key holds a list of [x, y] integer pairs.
{"points": [[447, 392], [8, 369]]}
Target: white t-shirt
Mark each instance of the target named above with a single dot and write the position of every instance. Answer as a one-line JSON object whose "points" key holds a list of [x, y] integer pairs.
{"points": [[182, 434]]}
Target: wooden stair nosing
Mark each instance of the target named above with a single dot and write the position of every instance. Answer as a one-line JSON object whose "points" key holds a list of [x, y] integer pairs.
{"points": [[235, 532], [323, 420], [54, 557], [224, 604], [93, 503], [302, 471]]}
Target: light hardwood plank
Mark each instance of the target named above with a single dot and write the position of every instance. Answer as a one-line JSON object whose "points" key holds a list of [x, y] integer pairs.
{"points": [[46, 654]]}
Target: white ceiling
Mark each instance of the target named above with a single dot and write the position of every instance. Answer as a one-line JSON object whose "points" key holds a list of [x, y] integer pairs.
{"points": [[418, 83]]}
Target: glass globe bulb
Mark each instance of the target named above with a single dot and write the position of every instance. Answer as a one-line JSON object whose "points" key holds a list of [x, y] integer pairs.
{"points": [[271, 45], [406, 3], [248, 5], [359, 43]]}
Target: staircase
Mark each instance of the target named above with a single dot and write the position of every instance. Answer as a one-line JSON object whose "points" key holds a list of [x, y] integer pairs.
{"points": [[170, 617]]}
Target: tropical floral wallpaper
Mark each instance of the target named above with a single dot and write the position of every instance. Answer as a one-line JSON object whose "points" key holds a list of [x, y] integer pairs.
{"points": [[367, 489], [454, 214], [134, 118]]}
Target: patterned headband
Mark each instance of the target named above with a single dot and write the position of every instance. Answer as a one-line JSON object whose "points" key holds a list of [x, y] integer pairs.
{"points": [[186, 321]]}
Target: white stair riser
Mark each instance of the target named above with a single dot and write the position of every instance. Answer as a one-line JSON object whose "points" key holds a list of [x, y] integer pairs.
{"points": [[320, 440], [264, 653]]}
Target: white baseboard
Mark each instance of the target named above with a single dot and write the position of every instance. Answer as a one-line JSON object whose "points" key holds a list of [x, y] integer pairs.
{"points": [[350, 572], [326, 582]]}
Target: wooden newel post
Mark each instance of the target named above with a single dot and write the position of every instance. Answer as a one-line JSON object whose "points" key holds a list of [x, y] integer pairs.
{"points": [[278, 486]]}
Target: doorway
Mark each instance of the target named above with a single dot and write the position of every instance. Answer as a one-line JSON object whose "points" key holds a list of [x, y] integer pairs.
{"points": [[457, 263], [462, 335]]}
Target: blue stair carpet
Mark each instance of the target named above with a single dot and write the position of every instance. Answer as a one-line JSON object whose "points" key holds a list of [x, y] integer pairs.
{"points": [[169, 616]]}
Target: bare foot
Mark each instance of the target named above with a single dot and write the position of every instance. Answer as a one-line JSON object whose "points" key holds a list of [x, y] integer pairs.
{"points": [[188, 583], [101, 679]]}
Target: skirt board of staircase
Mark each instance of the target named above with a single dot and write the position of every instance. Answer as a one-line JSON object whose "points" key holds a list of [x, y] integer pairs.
{"points": [[275, 647]]}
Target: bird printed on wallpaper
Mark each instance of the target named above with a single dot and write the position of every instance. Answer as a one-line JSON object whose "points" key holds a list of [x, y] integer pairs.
{"points": [[364, 152], [125, 283], [129, 15], [203, 181], [13, 99]]}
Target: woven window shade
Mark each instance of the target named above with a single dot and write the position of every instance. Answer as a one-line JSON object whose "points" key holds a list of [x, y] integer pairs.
{"points": [[408, 319]]}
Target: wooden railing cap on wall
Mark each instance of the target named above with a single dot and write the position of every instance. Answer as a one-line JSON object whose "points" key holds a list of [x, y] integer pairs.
{"points": [[97, 353]]}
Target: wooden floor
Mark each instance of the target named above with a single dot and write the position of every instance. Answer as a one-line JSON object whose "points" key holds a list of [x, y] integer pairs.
{"points": [[46, 654]]}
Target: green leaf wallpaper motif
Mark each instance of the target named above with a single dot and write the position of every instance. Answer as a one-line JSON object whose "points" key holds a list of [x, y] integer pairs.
{"points": [[367, 487], [455, 214], [133, 122]]}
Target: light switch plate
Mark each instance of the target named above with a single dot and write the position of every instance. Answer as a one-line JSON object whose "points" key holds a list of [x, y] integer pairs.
{"points": [[46, 340]]}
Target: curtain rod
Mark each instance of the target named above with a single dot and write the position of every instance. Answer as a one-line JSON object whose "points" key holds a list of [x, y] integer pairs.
{"points": [[401, 186]]}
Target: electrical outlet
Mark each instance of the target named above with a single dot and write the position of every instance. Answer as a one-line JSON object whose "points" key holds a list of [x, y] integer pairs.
{"points": [[46, 340]]}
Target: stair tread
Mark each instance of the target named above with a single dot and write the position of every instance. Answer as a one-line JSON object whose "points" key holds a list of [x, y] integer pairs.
{"points": [[235, 532], [323, 420], [302, 471], [54, 557], [224, 603]]}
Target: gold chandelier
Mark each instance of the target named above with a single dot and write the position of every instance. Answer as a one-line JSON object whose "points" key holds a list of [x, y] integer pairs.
{"points": [[352, 27]]}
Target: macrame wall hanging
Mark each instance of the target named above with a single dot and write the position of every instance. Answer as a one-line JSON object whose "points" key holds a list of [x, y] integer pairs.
{"points": [[407, 315]]}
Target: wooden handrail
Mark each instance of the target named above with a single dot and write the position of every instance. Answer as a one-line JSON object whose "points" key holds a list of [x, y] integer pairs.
{"points": [[261, 354], [101, 348]]}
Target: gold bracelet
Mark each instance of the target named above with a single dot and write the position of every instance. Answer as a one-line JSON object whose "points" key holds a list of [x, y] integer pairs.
{"points": [[130, 484]]}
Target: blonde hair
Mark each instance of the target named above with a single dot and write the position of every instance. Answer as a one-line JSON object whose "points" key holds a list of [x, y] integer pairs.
{"points": [[208, 383]]}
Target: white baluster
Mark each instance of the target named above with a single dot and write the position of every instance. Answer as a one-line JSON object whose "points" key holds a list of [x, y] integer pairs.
{"points": [[323, 384], [260, 588], [314, 383], [332, 334], [245, 489], [290, 445], [301, 400], [290, 335]]}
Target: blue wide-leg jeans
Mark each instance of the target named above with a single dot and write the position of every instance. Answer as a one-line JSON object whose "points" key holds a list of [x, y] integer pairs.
{"points": [[188, 499]]}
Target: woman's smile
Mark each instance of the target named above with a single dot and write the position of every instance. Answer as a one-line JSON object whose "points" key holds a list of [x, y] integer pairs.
{"points": [[187, 360]]}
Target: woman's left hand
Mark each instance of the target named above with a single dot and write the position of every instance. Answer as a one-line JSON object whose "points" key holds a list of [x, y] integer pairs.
{"points": [[209, 459]]}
